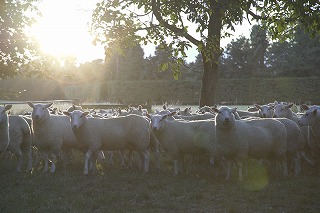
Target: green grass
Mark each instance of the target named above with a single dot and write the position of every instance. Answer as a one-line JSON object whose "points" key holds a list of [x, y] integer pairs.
{"points": [[113, 189]]}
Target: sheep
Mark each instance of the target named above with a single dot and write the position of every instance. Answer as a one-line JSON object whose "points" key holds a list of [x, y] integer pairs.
{"points": [[283, 110], [20, 140], [311, 117], [185, 112], [245, 114], [203, 116], [265, 111], [4, 128], [52, 133], [178, 137], [236, 140], [130, 132]]}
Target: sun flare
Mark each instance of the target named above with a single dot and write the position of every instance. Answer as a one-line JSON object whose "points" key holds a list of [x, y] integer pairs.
{"points": [[63, 30]]}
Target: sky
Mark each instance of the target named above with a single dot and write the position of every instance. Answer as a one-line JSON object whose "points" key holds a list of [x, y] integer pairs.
{"points": [[63, 31]]}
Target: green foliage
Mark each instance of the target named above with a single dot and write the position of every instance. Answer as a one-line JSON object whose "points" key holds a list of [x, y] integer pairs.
{"points": [[233, 91], [16, 48]]}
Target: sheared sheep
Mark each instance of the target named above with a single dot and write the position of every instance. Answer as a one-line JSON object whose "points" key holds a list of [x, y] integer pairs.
{"points": [[52, 133], [236, 140], [4, 128], [130, 132], [311, 118], [20, 140], [283, 110], [180, 137]]}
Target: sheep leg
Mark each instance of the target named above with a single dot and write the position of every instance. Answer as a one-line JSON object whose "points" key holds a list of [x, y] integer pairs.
{"points": [[122, 158], [53, 163], [240, 167], [87, 158], [29, 156], [146, 161], [20, 158], [228, 165], [156, 158], [46, 160], [175, 167]]}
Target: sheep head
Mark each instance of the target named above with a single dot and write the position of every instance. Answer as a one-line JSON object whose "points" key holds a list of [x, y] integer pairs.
{"points": [[77, 118], [39, 111]]}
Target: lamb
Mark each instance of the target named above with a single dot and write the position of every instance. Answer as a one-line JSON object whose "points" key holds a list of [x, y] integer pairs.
{"points": [[130, 132], [236, 140], [52, 133], [178, 137], [4, 128]]}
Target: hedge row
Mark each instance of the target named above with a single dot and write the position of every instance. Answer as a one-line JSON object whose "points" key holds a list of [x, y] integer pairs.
{"points": [[235, 91]]}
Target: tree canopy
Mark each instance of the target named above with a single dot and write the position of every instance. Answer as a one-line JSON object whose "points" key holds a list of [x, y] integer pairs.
{"points": [[177, 25], [16, 47]]}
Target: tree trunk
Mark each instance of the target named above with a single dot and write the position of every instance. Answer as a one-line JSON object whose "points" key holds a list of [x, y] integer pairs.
{"points": [[209, 83], [210, 56]]}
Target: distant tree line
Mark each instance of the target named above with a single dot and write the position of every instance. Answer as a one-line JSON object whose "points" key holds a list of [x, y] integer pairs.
{"points": [[244, 57]]}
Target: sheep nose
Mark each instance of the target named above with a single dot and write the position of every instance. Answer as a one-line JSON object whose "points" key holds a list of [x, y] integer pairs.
{"points": [[274, 116], [154, 128], [226, 119], [74, 126], [37, 116], [264, 115]]}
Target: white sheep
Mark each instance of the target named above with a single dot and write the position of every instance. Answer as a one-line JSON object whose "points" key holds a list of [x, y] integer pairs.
{"points": [[20, 140], [311, 118], [204, 116], [130, 132], [52, 133], [265, 111], [236, 140], [4, 128], [178, 137], [283, 110]]}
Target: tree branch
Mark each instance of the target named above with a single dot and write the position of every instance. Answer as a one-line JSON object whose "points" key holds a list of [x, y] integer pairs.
{"points": [[178, 31]]}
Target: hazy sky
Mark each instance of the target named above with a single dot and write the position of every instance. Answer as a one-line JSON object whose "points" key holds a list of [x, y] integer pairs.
{"points": [[63, 31]]}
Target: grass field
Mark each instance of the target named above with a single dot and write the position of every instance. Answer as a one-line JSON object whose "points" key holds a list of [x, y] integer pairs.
{"points": [[113, 189]]}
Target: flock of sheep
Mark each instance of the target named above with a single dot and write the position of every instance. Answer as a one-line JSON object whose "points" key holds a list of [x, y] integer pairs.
{"points": [[272, 134]]}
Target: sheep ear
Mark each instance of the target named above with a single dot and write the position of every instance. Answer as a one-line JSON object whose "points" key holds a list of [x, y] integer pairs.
{"points": [[276, 103], [233, 110], [48, 105], [215, 110], [66, 113], [148, 115], [7, 107], [30, 104], [304, 107], [172, 113], [314, 111], [289, 106], [257, 106], [157, 111], [85, 113]]}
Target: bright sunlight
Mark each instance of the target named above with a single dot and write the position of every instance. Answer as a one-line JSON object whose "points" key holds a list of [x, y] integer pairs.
{"points": [[63, 29]]}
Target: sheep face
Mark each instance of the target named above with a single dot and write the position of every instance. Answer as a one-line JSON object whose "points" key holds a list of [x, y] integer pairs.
{"points": [[265, 111], [310, 117], [282, 110], [156, 120], [77, 118], [39, 110], [3, 114], [225, 117]]}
